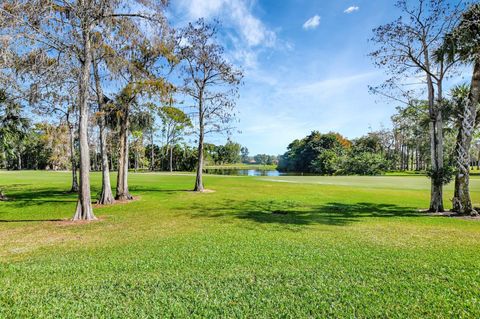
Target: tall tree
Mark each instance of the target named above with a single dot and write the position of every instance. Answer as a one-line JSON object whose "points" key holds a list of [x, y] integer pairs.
{"points": [[175, 122], [145, 71], [407, 48], [464, 43], [211, 81], [106, 195], [465, 115]]}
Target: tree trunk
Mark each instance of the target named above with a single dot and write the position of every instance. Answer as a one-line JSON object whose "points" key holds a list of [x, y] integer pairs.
{"points": [[462, 203], [478, 160], [407, 159], [199, 179], [152, 152], [122, 178], [135, 164], [5, 162], [74, 188], [84, 205], [19, 161], [436, 147], [170, 164], [106, 195]]}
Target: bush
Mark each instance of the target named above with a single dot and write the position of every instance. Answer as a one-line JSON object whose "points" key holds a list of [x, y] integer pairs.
{"points": [[363, 164], [326, 163]]}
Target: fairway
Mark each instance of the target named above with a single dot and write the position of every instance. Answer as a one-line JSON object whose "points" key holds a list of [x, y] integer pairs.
{"points": [[256, 247]]}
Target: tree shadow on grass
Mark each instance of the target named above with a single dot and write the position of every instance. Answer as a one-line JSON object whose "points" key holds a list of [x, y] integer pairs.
{"points": [[30, 220], [42, 196], [150, 189], [298, 214], [18, 202]]}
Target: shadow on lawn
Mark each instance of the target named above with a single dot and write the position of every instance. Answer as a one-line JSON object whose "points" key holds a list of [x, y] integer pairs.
{"points": [[292, 213], [35, 198], [43, 196], [286, 212], [30, 220]]}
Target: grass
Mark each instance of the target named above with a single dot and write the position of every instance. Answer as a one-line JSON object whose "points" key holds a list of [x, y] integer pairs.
{"points": [[290, 247]]}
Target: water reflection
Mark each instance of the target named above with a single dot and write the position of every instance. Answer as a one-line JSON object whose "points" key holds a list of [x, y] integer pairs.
{"points": [[244, 172]]}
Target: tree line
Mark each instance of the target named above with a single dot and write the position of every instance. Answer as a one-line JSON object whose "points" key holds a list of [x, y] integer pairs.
{"points": [[403, 147], [46, 146]]}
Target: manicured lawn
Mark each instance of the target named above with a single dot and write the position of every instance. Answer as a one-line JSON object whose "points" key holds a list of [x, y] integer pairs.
{"points": [[289, 247]]}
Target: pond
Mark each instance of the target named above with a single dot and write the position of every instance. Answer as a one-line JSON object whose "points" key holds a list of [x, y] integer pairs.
{"points": [[247, 172]]}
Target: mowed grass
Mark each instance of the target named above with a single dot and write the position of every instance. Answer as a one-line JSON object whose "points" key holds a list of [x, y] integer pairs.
{"points": [[257, 247]]}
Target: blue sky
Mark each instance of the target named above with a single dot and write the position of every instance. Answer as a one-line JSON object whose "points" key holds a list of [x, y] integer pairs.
{"points": [[305, 62]]}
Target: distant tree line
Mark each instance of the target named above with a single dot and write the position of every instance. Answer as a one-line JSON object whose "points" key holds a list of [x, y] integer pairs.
{"points": [[404, 147], [47, 146]]}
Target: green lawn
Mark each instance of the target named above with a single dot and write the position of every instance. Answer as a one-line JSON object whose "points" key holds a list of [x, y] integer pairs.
{"points": [[257, 247]]}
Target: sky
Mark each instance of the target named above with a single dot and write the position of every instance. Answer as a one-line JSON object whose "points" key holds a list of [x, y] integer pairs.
{"points": [[306, 66]]}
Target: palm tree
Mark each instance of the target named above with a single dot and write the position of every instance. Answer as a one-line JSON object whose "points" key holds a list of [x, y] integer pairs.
{"points": [[13, 128], [463, 44]]}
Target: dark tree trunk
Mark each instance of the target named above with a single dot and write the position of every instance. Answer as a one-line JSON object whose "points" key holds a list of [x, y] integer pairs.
{"points": [[152, 152], [436, 147], [170, 164], [199, 178], [84, 206], [135, 164], [407, 159], [74, 188], [462, 203], [122, 178], [415, 160], [478, 160]]}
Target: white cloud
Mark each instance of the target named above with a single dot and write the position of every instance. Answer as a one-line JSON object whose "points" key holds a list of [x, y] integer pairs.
{"points": [[331, 86], [312, 23], [235, 12], [351, 9]]}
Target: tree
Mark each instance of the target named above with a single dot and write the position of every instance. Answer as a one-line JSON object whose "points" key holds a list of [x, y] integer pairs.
{"points": [[410, 136], [364, 163], [141, 123], [464, 43], [228, 153], [465, 115], [407, 48], [261, 159], [144, 72], [210, 81], [13, 127], [175, 122], [244, 154], [306, 155], [106, 195]]}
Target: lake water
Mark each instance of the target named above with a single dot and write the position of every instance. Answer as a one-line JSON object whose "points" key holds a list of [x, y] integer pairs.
{"points": [[248, 172]]}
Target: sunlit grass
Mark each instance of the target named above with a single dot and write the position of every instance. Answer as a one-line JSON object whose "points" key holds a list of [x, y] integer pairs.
{"points": [[256, 247]]}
